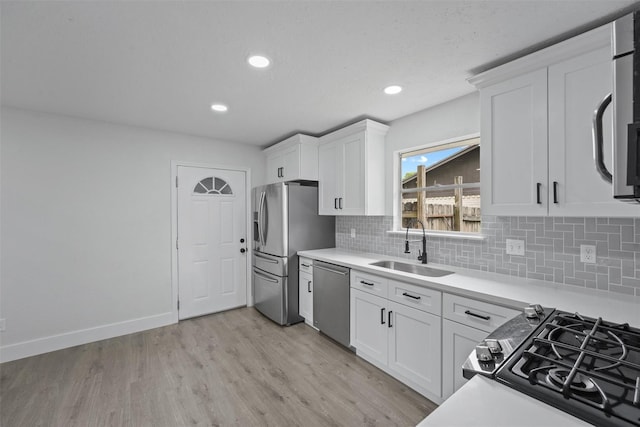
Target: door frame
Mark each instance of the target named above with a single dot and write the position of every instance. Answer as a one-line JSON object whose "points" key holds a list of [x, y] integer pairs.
{"points": [[174, 227]]}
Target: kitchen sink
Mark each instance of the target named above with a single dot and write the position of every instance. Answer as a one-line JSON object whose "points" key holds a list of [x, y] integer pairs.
{"points": [[422, 270]]}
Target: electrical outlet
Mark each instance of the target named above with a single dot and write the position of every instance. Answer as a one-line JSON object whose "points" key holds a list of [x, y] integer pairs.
{"points": [[3, 325], [515, 247], [353, 233], [588, 254]]}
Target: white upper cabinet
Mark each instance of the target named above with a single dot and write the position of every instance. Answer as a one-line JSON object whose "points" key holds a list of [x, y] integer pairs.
{"points": [[513, 157], [536, 132], [293, 159], [351, 170]]}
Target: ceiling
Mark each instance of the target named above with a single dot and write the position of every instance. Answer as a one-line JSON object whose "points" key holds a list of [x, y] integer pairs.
{"points": [[162, 64]]}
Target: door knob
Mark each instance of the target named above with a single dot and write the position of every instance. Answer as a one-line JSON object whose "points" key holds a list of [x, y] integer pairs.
{"points": [[241, 240], [242, 250]]}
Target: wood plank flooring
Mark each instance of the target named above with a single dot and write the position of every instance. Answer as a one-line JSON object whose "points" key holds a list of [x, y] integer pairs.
{"points": [[234, 368]]}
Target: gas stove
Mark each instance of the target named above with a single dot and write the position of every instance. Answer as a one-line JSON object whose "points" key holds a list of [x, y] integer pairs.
{"points": [[587, 367]]}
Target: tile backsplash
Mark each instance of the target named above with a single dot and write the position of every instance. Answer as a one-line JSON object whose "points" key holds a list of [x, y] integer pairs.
{"points": [[552, 248]]}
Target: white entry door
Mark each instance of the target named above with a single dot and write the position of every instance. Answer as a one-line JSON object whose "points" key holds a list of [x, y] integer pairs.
{"points": [[212, 241]]}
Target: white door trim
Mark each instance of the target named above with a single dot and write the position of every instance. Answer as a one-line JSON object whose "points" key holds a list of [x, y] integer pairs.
{"points": [[174, 227]]}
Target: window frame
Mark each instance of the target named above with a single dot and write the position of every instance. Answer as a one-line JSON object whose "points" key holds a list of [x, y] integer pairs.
{"points": [[397, 190]]}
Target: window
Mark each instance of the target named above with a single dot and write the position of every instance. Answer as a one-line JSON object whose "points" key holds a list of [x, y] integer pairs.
{"points": [[212, 185], [440, 186]]}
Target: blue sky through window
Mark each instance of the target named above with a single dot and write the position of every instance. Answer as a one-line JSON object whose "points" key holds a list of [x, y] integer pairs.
{"points": [[410, 164]]}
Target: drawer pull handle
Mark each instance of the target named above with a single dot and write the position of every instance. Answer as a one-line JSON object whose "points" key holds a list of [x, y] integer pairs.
{"points": [[382, 316], [305, 265], [366, 283], [479, 316], [410, 296]]}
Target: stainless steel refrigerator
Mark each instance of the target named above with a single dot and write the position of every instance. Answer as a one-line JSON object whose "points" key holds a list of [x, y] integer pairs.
{"points": [[285, 221]]}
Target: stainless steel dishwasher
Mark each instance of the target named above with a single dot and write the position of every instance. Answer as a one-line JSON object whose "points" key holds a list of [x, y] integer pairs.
{"points": [[331, 300]]}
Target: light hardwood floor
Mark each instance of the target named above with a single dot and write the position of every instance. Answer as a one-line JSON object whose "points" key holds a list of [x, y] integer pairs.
{"points": [[228, 369]]}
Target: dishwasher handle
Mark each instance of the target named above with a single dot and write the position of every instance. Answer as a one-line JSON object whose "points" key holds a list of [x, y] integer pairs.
{"points": [[343, 273]]}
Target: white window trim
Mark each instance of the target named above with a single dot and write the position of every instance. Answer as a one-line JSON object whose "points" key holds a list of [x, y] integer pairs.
{"points": [[397, 194]]}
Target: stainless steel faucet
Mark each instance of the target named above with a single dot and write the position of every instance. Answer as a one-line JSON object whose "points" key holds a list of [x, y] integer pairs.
{"points": [[422, 256]]}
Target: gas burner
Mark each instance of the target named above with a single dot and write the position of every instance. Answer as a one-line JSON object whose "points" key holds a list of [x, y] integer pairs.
{"points": [[557, 377]]}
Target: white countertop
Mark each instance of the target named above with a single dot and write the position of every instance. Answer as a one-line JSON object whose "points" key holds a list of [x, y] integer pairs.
{"points": [[484, 402], [497, 288]]}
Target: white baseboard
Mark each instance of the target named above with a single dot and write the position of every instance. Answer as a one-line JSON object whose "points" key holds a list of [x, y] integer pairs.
{"points": [[70, 339]]}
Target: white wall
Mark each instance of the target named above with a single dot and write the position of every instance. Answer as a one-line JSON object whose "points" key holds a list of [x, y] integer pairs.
{"points": [[86, 226], [456, 118]]}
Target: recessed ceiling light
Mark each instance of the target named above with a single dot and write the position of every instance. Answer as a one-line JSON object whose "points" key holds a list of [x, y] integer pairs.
{"points": [[392, 90], [258, 61], [219, 108]]}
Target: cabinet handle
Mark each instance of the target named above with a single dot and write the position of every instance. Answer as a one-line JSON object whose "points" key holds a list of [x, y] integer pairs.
{"points": [[366, 283], [335, 203], [382, 316], [538, 201], [389, 319], [479, 316], [555, 191], [282, 172], [305, 265], [410, 296], [340, 202], [279, 176], [309, 286]]}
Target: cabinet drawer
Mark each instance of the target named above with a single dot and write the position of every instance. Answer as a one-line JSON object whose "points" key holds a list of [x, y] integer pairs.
{"points": [[306, 265], [369, 283], [477, 314], [424, 299]]}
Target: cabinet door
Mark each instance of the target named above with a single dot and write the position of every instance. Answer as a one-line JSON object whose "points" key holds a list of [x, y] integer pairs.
{"points": [[305, 293], [457, 343], [415, 347], [290, 164], [274, 163], [576, 87], [369, 326], [329, 171], [352, 184], [513, 157]]}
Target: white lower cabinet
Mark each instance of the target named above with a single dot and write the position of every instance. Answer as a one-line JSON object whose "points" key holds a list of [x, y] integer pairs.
{"points": [[457, 343], [401, 340], [305, 290], [369, 326], [465, 323], [414, 347]]}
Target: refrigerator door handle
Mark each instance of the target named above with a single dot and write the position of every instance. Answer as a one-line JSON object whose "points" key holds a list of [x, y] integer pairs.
{"points": [[263, 195], [263, 277], [598, 140], [259, 255]]}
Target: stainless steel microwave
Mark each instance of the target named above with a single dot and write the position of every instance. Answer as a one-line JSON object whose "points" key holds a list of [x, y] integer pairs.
{"points": [[626, 107], [625, 177]]}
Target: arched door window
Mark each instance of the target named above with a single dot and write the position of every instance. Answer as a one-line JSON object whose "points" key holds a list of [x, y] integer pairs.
{"points": [[212, 185]]}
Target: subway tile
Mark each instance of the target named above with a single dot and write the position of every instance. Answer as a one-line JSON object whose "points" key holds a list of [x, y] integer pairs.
{"points": [[614, 241], [621, 221], [632, 282], [627, 234], [621, 289], [633, 247], [551, 247], [574, 281], [608, 229], [615, 275]]}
